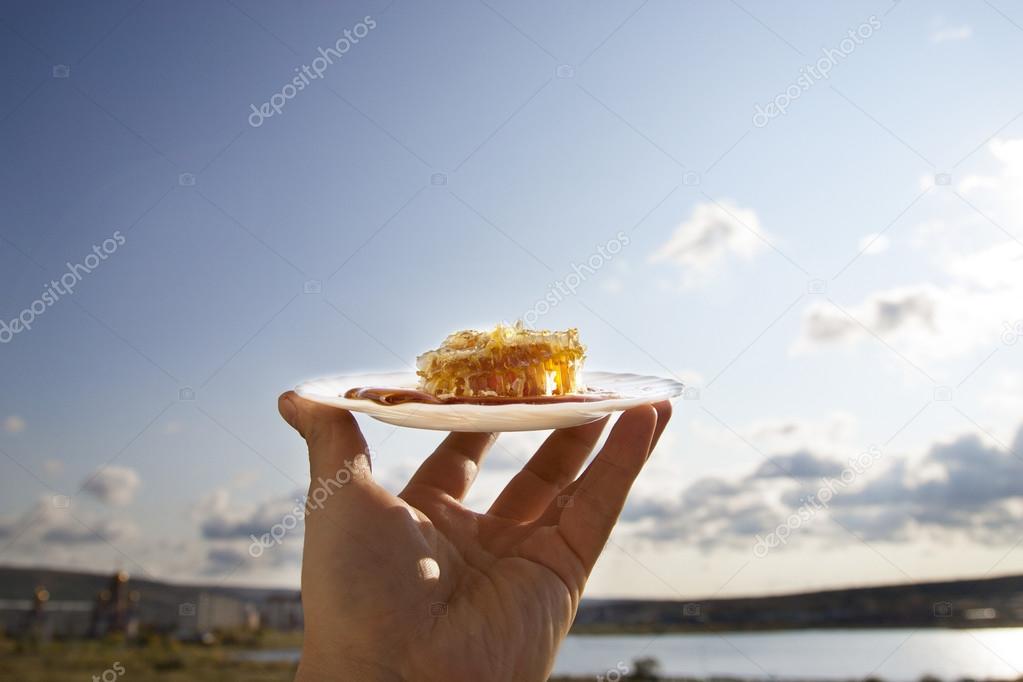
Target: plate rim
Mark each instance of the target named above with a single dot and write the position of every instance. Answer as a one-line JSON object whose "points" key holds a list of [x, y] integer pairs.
{"points": [[305, 389]]}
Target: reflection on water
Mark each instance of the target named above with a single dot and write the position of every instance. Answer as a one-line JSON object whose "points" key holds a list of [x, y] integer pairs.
{"points": [[894, 655]]}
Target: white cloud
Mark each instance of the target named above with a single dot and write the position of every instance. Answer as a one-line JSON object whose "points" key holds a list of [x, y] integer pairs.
{"points": [[113, 485], [1005, 394], [952, 33], [976, 292], [833, 433], [14, 424], [874, 243], [244, 478], [891, 311], [1000, 189], [715, 231], [228, 529], [215, 503], [931, 321], [68, 531], [49, 522], [220, 519]]}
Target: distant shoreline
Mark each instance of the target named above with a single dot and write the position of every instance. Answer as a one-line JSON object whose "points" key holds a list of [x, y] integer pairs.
{"points": [[952, 605]]}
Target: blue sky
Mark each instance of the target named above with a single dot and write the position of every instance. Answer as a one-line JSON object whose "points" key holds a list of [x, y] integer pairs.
{"points": [[842, 277]]}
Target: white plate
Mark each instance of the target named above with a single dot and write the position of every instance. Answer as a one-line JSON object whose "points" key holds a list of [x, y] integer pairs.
{"points": [[632, 390]]}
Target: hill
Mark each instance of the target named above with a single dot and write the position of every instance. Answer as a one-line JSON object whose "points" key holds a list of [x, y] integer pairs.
{"points": [[987, 602]]}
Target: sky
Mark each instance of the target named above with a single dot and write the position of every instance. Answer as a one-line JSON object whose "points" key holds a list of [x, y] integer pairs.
{"points": [[816, 223]]}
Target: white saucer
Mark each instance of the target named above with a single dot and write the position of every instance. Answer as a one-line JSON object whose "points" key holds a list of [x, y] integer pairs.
{"points": [[630, 390]]}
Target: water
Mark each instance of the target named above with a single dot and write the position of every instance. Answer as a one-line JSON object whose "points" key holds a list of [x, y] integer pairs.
{"points": [[893, 655]]}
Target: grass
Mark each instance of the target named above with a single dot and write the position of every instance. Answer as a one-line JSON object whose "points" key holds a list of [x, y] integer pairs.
{"points": [[157, 661]]}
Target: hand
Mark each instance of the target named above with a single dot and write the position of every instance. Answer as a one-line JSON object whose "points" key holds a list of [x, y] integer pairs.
{"points": [[417, 587]]}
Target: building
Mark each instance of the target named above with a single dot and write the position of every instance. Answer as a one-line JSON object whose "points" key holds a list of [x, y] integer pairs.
{"points": [[211, 613], [282, 612]]}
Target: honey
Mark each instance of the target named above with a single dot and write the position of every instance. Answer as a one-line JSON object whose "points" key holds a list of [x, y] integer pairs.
{"points": [[506, 362]]}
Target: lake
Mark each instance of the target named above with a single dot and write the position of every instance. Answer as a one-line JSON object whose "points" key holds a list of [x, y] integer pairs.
{"points": [[893, 655]]}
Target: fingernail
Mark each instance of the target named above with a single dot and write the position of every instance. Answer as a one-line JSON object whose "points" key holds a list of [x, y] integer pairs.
{"points": [[289, 411]]}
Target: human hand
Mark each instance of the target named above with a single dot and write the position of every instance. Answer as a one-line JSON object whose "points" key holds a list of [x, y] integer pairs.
{"points": [[417, 587]]}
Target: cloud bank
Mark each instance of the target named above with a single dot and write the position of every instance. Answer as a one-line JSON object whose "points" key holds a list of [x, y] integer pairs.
{"points": [[964, 488]]}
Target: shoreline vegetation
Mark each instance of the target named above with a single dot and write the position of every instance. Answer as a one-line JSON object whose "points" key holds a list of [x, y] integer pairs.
{"points": [[954, 604]]}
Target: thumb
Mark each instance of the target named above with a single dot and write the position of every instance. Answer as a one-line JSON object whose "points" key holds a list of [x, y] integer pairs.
{"points": [[332, 434]]}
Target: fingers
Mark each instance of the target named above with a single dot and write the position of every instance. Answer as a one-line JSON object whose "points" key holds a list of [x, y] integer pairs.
{"points": [[553, 512], [553, 467], [333, 436], [453, 466], [663, 409], [593, 508]]}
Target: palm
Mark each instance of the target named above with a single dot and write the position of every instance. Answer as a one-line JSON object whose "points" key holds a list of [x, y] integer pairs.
{"points": [[498, 588], [453, 594]]}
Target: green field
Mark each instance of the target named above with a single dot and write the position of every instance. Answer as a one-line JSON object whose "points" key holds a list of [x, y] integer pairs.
{"points": [[163, 662], [155, 661]]}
